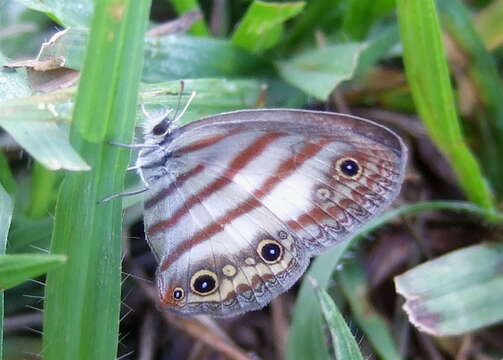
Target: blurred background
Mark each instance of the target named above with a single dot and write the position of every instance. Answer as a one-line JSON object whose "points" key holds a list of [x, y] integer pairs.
{"points": [[431, 71]]}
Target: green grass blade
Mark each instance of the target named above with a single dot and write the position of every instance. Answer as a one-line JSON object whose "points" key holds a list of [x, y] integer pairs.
{"points": [[42, 191], [306, 338], [455, 293], [315, 71], [343, 342], [17, 268], [428, 77], [82, 302], [182, 6], [489, 25], [483, 72], [262, 26], [354, 286], [6, 176], [6, 208]]}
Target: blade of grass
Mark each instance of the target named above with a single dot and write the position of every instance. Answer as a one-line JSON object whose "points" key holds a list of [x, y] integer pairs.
{"points": [[354, 286], [6, 207], [6, 177], [183, 6], [42, 192], [17, 268], [428, 77], [343, 342], [262, 26], [455, 293], [483, 72], [82, 302], [306, 337], [489, 25]]}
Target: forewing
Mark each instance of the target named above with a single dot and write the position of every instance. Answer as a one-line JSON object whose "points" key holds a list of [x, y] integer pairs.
{"points": [[250, 196]]}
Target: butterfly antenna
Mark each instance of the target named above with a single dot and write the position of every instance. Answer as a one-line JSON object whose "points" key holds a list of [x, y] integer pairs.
{"points": [[182, 87], [192, 96]]}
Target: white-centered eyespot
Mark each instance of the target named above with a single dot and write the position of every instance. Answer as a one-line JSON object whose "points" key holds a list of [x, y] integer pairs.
{"points": [[270, 251], [349, 168], [204, 282], [178, 294]]}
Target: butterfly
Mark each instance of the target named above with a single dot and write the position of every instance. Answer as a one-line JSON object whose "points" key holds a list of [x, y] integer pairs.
{"points": [[237, 203]]}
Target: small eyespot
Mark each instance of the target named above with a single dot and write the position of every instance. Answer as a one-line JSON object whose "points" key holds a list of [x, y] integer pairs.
{"points": [[323, 193], [204, 282], [282, 234], [161, 128], [178, 293], [270, 251], [348, 167]]}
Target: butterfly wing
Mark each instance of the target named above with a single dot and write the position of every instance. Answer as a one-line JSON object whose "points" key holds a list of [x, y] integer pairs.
{"points": [[239, 202]]}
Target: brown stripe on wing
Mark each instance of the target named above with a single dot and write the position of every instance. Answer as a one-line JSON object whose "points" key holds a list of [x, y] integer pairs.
{"points": [[244, 157], [180, 179], [207, 141], [285, 169]]}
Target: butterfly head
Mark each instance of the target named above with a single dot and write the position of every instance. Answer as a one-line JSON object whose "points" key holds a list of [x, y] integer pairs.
{"points": [[157, 128]]}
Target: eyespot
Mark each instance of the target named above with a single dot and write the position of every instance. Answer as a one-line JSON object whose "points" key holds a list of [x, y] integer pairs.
{"points": [[161, 128], [270, 251], [348, 168], [178, 294], [204, 282]]}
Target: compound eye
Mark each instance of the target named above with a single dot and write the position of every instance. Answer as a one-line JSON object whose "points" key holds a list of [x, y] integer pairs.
{"points": [[161, 128]]}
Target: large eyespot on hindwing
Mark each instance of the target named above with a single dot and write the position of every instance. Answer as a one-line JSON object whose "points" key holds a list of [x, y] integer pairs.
{"points": [[270, 251], [204, 282], [348, 168]]}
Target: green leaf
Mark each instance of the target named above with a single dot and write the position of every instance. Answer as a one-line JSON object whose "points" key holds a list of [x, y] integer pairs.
{"points": [[6, 207], [13, 82], [318, 72], [17, 268], [343, 342], [428, 77], [262, 25], [82, 301], [75, 13], [306, 336], [45, 141], [170, 57], [183, 6], [455, 293], [354, 286], [360, 15]]}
